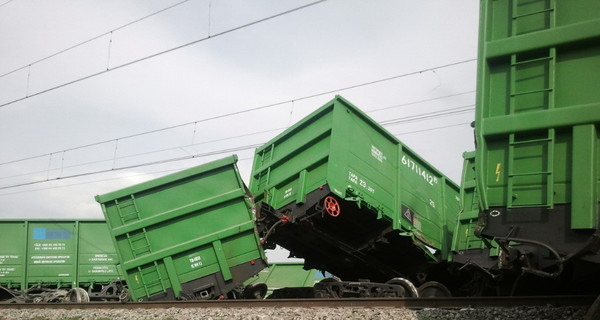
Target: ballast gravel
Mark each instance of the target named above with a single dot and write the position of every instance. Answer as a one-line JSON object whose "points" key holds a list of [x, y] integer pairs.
{"points": [[520, 313]]}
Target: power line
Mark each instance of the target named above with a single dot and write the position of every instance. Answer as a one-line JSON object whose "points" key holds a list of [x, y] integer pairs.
{"points": [[200, 155], [88, 182], [162, 53], [432, 129], [104, 180], [430, 115], [7, 2], [142, 154], [265, 107], [414, 118], [93, 38], [420, 101]]}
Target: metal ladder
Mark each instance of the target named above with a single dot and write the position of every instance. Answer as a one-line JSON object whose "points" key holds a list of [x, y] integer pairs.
{"points": [[128, 210], [263, 178], [138, 242], [531, 88], [151, 272], [266, 156]]}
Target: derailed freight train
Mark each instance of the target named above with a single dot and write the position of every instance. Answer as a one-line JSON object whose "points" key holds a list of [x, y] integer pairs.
{"points": [[532, 206], [339, 191], [61, 260]]}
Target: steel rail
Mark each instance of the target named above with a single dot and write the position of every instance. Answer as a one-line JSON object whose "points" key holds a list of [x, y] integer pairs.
{"points": [[411, 303]]}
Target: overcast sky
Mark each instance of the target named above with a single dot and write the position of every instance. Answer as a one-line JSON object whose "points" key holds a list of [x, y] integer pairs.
{"points": [[322, 48]]}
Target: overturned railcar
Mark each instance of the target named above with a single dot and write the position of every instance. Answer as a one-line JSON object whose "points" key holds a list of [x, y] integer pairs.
{"points": [[341, 192], [189, 235]]}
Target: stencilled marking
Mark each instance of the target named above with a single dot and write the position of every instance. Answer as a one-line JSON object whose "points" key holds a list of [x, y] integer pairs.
{"points": [[354, 178], [6, 271], [377, 154], [431, 179], [50, 259], [287, 193], [195, 262], [61, 246]]}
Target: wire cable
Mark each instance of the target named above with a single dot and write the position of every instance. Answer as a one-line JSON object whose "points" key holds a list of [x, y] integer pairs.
{"points": [[420, 101], [140, 154], [429, 115], [261, 108], [420, 117], [161, 53], [108, 179], [432, 129], [199, 155], [7, 2], [93, 38]]}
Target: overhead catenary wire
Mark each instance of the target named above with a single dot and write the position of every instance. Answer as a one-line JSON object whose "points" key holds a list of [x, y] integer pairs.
{"points": [[420, 101], [93, 38], [161, 53], [429, 115], [5, 3], [108, 179], [425, 116], [193, 156], [178, 169], [267, 106], [113, 159], [395, 121], [432, 129]]}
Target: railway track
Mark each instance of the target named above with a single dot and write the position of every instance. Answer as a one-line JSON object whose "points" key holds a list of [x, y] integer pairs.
{"points": [[410, 303]]}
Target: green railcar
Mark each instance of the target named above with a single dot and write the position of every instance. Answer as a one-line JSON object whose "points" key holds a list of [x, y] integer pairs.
{"points": [[341, 192], [465, 234], [187, 235], [285, 275], [538, 146], [57, 260]]}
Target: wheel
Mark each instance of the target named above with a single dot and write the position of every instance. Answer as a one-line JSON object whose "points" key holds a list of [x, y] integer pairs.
{"points": [[409, 288], [77, 295], [328, 288], [124, 296], [330, 280], [255, 291], [433, 289]]}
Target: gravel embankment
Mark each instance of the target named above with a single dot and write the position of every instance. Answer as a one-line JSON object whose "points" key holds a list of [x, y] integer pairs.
{"points": [[522, 313]]}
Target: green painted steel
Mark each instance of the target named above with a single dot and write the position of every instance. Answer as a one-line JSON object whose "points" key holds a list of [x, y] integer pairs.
{"points": [[538, 106], [286, 275], [174, 230], [56, 253], [340, 147], [465, 236]]}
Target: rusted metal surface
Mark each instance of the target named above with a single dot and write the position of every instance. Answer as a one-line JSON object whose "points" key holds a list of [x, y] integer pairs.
{"points": [[412, 303]]}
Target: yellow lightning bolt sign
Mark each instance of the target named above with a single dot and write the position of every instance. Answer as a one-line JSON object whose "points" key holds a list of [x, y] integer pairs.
{"points": [[498, 172]]}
